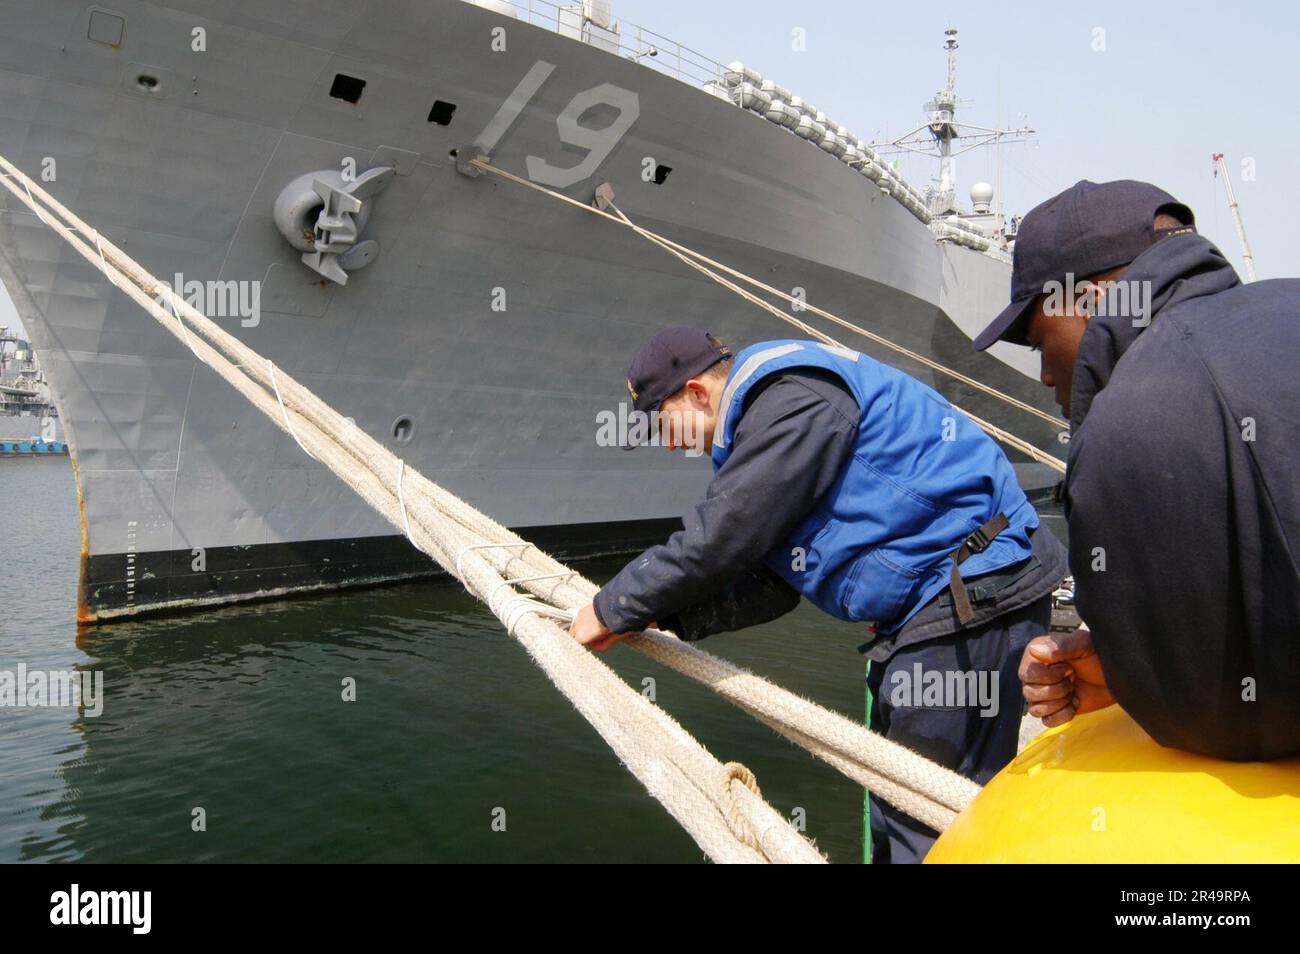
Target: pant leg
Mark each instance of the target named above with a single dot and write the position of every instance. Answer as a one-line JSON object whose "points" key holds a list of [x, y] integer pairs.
{"points": [[976, 739]]}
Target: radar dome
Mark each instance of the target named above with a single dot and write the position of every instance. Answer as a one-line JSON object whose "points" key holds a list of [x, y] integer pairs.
{"points": [[981, 194]]}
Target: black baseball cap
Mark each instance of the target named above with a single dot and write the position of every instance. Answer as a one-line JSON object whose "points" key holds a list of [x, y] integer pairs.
{"points": [[1091, 227], [670, 359]]}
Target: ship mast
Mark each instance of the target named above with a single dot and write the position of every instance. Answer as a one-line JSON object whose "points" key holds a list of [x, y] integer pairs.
{"points": [[943, 122], [944, 138]]}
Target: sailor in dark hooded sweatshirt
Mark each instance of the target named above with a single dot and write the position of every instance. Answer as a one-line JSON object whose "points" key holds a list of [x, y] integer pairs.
{"points": [[1182, 389]]}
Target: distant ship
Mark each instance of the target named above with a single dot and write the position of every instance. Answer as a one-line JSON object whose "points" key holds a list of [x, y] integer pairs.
{"points": [[29, 421], [305, 151]]}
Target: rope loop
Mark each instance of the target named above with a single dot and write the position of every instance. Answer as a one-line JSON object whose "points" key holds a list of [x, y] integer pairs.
{"points": [[401, 502], [285, 411], [99, 247], [739, 818], [737, 772], [163, 290]]}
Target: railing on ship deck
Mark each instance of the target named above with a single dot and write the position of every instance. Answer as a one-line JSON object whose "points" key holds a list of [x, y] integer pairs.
{"points": [[635, 43], [631, 41]]}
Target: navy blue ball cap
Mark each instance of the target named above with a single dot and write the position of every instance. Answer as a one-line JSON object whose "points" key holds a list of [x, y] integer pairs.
{"points": [[1091, 227], [670, 359]]}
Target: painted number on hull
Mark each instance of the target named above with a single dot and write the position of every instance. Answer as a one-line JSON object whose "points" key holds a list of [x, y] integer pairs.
{"points": [[598, 143]]}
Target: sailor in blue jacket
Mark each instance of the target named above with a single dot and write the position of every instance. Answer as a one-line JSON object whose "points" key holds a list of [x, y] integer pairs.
{"points": [[1182, 391], [852, 484]]}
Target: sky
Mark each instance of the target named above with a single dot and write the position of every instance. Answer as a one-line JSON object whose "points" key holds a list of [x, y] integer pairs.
{"points": [[1151, 96]]}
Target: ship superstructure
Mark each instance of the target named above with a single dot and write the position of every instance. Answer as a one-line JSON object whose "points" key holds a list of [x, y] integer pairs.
{"points": [[29, 420]]}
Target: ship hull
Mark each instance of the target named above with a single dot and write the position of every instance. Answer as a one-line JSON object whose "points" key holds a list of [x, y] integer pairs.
{"points": [[495, 322]]}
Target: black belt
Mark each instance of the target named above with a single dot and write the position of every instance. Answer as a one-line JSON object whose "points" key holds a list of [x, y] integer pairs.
{"points": [[986, 587], [977, 541]]}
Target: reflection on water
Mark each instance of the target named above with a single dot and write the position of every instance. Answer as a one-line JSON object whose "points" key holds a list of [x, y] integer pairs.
{"points": [[239, 712]]}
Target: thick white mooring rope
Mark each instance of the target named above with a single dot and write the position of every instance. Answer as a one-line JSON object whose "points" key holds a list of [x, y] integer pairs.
{"points": [[719, 805]]}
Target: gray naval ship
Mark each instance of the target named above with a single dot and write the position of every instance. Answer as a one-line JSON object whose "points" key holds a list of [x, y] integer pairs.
{"points": [[296, 164], [29, 419]]}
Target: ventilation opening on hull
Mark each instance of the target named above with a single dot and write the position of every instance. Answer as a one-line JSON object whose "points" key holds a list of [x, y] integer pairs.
{"points": [[147, 83], [347, 88], [403, 430], [661, 173], [441, 113]]}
